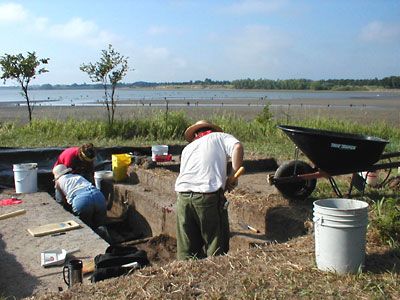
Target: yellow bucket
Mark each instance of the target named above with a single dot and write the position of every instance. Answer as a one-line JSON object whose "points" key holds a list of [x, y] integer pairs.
{"points": [[120, 164]]}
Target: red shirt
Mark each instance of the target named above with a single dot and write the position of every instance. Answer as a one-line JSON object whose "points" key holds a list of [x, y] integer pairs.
{"points": [[67, 157], [70, 158]]}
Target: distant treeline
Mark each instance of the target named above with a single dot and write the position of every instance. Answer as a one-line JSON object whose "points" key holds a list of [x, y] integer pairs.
{"points": [[392, 82]]}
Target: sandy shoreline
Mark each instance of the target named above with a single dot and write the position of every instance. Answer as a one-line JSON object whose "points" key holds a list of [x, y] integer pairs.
{"points": [[357, 109]]}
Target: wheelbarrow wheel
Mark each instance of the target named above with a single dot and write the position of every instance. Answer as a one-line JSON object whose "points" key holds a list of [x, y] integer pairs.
{"points": [[298, 189]]}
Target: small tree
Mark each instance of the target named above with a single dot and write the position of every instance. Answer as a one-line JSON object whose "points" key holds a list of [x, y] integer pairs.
{"points": [[23, 69], [265, 116], [110, 70]]}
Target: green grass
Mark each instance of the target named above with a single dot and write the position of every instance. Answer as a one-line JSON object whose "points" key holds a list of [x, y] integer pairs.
{"points": [[387, 220], [384, 205], [259, 135]]}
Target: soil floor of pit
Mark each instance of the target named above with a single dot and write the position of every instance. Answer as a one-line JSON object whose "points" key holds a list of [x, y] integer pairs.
{"points": [[253, 192], [19, 246]]}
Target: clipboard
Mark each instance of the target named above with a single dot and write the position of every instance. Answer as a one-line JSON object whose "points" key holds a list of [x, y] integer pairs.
{"points": [[54, 228]]}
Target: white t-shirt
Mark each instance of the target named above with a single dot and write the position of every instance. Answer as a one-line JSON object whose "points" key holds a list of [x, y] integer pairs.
{"points": [[70, 183], [204, 163]]}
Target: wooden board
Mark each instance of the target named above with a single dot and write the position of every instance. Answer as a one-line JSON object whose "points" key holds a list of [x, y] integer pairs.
{"points": [[12, 214], [53, 228]]}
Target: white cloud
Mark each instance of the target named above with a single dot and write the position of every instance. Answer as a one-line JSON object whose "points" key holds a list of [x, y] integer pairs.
{"points": [[11, 12], [155, 54], [156, 30], [161, 55], [179, 62], [77, 30], [256, 6], [40, 24], [255, 51], [257, 45], [156, 64], [380, 32]]}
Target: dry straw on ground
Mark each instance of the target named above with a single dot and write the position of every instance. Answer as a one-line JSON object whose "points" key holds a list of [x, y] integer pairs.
{"points": [[276, 271]]}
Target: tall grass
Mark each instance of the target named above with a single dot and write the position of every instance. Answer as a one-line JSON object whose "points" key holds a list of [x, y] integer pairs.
{"points": [[51, 132], [259, 135]]}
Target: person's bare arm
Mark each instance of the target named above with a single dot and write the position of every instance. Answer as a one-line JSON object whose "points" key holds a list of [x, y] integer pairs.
{"points": [[237, 157], [57, 186], [237, 162]]}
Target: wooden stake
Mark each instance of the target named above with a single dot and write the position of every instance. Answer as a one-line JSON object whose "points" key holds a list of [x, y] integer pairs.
{"points": [[12, 214]]}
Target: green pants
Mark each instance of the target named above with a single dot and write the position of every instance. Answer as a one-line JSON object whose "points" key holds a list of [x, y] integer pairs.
{"points": [[202, 225]]}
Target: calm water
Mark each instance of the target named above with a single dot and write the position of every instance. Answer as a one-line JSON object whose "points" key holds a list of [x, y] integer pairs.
{"points": [[94, 97]]}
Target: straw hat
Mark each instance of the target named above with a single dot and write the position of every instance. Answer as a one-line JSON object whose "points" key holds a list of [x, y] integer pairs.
{"points": [[60, 170], [87, 152], [191, 130]]}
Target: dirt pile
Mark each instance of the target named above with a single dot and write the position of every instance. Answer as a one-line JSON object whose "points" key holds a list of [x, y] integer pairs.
{"points": [[394, 183], [275, 271], [160, 250]]}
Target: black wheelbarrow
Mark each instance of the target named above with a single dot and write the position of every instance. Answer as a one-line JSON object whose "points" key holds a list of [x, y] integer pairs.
{"points": [[331, 153]]}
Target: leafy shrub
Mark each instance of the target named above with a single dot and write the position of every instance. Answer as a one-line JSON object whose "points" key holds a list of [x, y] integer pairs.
{"points": [[266, 115]]}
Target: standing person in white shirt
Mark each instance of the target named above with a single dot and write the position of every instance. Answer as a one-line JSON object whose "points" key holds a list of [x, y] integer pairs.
{"points": [[202, 215]]}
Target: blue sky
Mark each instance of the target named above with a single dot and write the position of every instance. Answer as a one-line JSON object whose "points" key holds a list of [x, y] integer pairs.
{"points": [[182, 40]]}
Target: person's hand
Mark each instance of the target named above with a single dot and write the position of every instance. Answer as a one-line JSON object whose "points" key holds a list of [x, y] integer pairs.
{"points": [[231, 183]]}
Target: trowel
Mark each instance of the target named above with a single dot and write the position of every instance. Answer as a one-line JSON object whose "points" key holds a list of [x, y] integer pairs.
{"points": [[55, 257], [248, 227]]}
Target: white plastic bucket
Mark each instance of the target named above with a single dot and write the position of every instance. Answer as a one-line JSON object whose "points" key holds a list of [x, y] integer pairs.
{"points": [[105, 183], [158, 150], [371, 178], [99, 176], [25, 177], [340, 227]]}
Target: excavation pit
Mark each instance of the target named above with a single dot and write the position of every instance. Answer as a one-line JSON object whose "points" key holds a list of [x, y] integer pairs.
{"points": [[141, 213]]}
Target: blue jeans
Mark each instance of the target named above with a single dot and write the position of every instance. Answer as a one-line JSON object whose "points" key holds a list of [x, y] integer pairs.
{"points": [[90, 206]]}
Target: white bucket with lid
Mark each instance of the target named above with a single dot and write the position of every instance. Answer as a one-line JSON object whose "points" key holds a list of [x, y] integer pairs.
{"points": [[158, 150], [25, 177], [340, 227]]}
